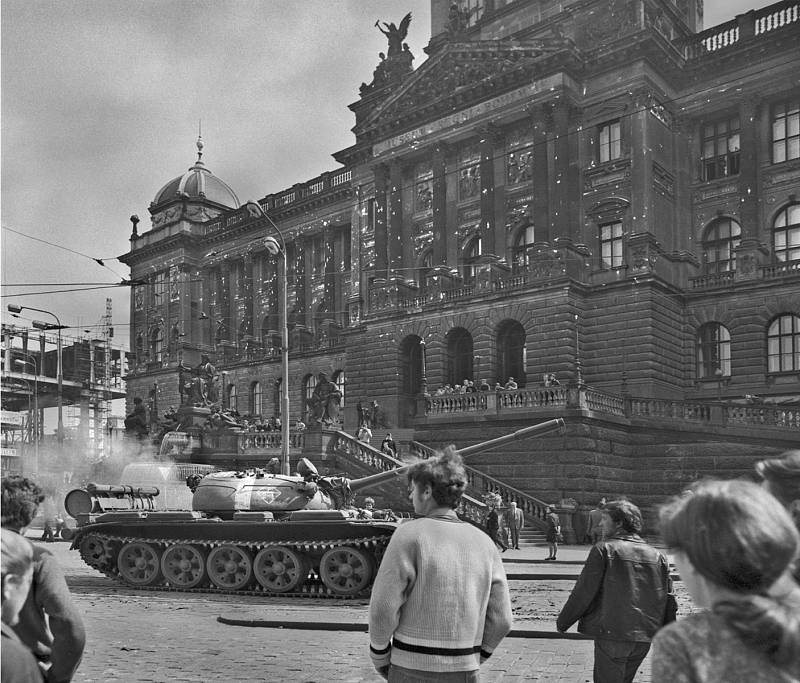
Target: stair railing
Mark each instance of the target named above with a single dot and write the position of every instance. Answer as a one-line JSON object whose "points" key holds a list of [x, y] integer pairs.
{"points": [[347, 445]]}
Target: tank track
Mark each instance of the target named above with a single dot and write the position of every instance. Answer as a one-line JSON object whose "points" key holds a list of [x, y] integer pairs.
{"points": [[313, 586]]}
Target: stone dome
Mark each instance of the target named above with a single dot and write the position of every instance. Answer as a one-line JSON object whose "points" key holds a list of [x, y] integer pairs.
{"points": [[197, 183]]}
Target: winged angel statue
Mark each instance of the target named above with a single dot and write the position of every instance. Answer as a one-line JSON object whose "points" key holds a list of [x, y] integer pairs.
{"points": [[395, 34]]}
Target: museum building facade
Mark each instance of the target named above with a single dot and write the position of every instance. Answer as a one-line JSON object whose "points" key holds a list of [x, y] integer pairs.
{"points": [[597, 193]]}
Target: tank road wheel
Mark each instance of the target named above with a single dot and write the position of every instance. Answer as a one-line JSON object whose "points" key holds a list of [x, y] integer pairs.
{"points": [[346, 571], [280, 570], [229, 567], [97, 552], [183, 566], [139, 564]]}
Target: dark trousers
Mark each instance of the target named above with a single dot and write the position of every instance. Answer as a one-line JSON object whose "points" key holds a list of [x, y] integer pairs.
{"points": [[398, 674], [616, 661]]}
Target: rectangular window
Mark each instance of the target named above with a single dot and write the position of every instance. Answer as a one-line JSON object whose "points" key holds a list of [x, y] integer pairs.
{"points": [[786, 131], [611, 245], [720, 148], [610, 141]]}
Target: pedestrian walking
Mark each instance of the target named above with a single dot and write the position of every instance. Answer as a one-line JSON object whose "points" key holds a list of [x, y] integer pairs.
{"points": [[49, 624], [734, 545], [515, 521], [620, 598], [364, 434], [440, 603], [18, 665], [595, 517], [553, 533]]}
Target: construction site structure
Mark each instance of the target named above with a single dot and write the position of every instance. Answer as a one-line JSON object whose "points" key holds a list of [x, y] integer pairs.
{"points": [[93, 377]]}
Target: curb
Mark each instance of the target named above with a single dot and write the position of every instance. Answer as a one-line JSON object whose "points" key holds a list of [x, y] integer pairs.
{"points": [[362, 628]]}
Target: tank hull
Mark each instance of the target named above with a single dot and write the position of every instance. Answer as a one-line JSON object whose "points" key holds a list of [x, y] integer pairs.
{"points": [[314, 554]]}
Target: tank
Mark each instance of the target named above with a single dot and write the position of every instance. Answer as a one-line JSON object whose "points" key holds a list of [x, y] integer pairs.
{"points": [[256, 531]]}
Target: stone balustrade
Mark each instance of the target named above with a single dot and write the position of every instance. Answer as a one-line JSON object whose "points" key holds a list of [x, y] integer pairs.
{"points": [[249, 443], [751, 25], [586, 398]]}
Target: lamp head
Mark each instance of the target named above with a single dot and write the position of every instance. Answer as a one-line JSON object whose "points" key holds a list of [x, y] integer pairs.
{"points": [[272, 246], [254, 209], [13, 308]]}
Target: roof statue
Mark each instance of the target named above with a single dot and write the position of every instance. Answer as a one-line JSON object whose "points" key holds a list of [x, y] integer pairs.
{"points": [[395, 34]]}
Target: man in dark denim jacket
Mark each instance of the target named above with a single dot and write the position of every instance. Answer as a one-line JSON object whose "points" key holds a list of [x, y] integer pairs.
{"points": [[621, 595]]}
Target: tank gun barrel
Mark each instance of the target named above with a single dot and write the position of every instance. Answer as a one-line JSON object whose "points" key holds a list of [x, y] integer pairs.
{"points": [[526, 432]]}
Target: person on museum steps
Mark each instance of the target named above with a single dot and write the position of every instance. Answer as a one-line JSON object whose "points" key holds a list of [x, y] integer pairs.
{"points": [[553, 533], [734, 545], [621, 597], [49, 623], [16, 557], [440, 603]]}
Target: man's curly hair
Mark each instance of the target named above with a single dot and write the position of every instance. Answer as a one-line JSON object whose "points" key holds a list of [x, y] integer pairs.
{"points": [[444, 474], [21, 500]]}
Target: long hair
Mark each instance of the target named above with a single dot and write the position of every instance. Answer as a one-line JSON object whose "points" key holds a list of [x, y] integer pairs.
{"points": [[445, 475], [740, 537]]}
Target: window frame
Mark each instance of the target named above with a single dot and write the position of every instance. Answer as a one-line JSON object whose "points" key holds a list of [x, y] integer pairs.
{"points": [[730, 242], [727, 163], [777, 339], [789, 229], [613, 241], [712, 354], [609, 149], [785, 115]]}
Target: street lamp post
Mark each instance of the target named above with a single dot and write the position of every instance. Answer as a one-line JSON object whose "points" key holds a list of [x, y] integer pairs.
{"points": [[20, 361], [39, 325], [275, 247]]}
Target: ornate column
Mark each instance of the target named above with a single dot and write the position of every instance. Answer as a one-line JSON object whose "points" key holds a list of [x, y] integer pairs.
{"points": [[541, 181], [439, 203], [563, 185], [381, 237], [750, 254], [225, 300], [487, 143], [395, 234]]}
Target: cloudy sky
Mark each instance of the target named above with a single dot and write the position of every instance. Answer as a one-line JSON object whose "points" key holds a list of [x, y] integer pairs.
{"points": [[101, 101]]}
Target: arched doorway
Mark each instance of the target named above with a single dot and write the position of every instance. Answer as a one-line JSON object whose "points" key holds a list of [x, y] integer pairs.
{"points": [[412, 375], [511, 352], [459, 356]]}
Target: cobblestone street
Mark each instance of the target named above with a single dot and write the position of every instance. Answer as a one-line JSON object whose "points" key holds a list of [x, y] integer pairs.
{"points": [[135, 635]]}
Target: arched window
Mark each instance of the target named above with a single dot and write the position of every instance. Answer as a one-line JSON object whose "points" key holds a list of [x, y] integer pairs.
{"points": [[459, 356], [411, 365], [156, 345], [471, 253], [519, 251], [232, 400], [339, 381], [511, 352], [713, 351], [786, 234], [719, 246], [255, 398], [783, 344]]}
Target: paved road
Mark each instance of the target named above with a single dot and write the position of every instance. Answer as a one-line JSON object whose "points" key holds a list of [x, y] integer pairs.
{"points": [[162, 636]]}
